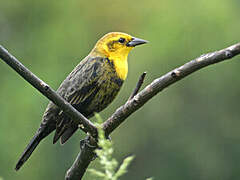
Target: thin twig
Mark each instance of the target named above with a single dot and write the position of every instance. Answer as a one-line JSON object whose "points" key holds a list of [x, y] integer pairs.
{"points": [[47, 91], [155, 87], [138, 86]]}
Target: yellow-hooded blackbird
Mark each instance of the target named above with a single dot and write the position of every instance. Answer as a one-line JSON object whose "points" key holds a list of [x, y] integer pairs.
{"points": [[90, 87]]}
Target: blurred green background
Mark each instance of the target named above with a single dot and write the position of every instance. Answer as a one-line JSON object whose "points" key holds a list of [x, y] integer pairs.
{"points": [[189, 131]]}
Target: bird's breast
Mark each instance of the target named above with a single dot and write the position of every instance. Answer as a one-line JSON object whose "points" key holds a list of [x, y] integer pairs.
{"points": [[108, 86]]}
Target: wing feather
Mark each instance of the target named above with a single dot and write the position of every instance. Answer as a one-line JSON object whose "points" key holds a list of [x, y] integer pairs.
{"points": [[81, 84]]}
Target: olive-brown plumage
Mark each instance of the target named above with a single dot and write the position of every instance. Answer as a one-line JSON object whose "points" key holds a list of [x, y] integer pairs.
{"points": [[90, 87]]}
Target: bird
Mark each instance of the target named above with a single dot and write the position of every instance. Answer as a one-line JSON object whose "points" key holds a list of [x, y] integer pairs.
{"points": [[89, 88]]}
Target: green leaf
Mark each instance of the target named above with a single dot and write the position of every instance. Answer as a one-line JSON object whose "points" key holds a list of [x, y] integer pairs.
{"points": [[123, 168], [95, 172]]}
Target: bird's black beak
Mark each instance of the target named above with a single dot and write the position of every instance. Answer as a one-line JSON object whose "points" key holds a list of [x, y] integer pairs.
{"points": [[135, 42]]}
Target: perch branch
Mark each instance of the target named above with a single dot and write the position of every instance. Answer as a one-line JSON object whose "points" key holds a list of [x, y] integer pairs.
{"points": [[166, 80], [151, 90], [47, 91]]}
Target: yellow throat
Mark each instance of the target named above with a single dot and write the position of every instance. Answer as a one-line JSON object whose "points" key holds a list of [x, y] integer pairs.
{"points": [[121, 65]]}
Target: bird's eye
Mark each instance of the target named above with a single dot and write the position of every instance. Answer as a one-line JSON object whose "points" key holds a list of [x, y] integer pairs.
{"points": [[121, 40]]}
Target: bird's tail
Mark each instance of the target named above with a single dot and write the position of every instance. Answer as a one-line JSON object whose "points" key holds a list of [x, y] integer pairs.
{"points": [[29, 149]]}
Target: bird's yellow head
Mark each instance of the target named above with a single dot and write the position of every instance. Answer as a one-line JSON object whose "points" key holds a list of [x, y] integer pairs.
{"points": [[116, 47]]}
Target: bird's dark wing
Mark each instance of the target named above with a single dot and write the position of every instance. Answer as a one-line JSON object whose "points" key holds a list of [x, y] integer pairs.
{"points": [[79, 88]]}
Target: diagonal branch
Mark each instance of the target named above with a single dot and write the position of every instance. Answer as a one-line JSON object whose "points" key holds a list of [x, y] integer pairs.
{"points": [[146, 94], [47, 91], [166, 80]]}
